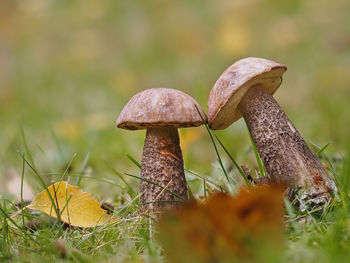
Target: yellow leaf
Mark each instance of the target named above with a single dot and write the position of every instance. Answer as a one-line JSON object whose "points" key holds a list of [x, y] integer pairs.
{"points": [[75, 207]]}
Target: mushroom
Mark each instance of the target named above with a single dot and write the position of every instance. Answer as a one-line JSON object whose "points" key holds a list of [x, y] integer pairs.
{"points": [[161, 111], [246, 88]]}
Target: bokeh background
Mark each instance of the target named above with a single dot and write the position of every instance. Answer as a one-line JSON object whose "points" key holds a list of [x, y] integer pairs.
{"points": [[67, 68]]}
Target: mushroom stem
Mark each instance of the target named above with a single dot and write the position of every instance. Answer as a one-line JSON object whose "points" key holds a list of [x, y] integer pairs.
{"points": [[286, 156], [162, 164]]}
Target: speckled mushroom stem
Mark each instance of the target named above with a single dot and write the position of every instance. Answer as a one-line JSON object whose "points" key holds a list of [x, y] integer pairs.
{"points": [[162, 164], [286, 156]]}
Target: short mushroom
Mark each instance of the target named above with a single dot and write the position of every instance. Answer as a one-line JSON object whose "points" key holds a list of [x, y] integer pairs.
{"points": [[246, 88], [161, 111]]}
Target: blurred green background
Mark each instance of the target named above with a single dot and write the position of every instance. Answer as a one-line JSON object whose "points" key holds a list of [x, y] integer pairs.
{"points": [[67, 68]]}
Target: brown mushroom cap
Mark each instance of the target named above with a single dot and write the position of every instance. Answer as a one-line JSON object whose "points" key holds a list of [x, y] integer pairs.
{"points": [[231, 86], [160, 107]]}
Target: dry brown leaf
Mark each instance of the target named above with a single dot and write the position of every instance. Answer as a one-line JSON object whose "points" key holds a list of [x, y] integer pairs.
{"points": [[75, 207], [225, 227]]}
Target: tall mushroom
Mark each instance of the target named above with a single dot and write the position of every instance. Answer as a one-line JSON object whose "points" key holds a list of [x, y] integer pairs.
{"points": [[245, 88], [161, 111]]}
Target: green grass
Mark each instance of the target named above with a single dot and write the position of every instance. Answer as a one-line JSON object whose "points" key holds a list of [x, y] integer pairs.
{"points": [[310, 236]]}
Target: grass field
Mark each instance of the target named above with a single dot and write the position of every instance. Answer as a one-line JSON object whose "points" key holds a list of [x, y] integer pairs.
{"points": [[67, 68]]}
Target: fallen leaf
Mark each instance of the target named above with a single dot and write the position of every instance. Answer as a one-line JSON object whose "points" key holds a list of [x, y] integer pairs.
{"points": [[75, 207], [248, 226]]}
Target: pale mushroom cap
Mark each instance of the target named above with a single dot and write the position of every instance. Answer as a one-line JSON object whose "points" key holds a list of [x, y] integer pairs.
{"points": [[231, 86], [160, 107]]}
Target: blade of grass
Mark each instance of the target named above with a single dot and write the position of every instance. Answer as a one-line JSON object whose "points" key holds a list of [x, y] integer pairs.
{"points": [[207, 180], [8, 218], [26, 148], [124, 181], [205, 190], [55, 138], [86, 159], [148, 181], [291, 215], [257, 156], [66, 205], [320, 151], [234, 161], [43, 185], [5, 240], [213, 142], [22, 180], [69, 165], [133, 161], [19, 212], [163, 201], [190, 193], [103, 180]]}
